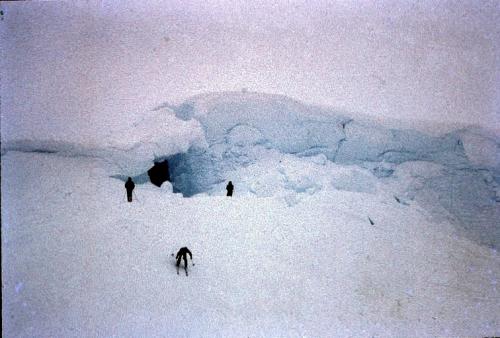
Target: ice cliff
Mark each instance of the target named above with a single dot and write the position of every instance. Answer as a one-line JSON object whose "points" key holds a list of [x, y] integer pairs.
{"points": [[271, 144]]}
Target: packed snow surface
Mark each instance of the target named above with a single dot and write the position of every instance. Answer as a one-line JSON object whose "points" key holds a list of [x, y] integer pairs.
{"points": [[78, 260], [338, 226]]}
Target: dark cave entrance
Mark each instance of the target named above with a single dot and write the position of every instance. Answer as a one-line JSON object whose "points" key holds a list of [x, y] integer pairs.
{"points": [[179, 169], [159, 173], [182, 170]]}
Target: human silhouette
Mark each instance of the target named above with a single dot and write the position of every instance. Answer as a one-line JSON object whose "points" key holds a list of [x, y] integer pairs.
{"points": [[230, 188], [183, 254], [129, 185]]}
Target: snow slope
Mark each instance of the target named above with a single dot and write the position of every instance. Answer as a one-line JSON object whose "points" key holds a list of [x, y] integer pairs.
{"points": [[77, 260]]}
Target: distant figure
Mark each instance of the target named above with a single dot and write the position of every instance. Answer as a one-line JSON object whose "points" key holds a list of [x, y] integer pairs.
{"points": [[230, 188], [129, 185], [182, 254]]}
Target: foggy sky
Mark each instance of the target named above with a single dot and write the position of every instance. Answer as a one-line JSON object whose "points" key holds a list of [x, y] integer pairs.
{"points": [[78, 65]]}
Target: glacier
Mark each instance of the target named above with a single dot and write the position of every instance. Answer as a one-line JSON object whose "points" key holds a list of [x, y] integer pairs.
{"points": [[274, 145], [454, 172], [340, 224]]}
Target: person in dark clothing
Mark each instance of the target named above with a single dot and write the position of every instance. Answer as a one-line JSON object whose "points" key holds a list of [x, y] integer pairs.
{"points": [[182, 254], [230, 188], [129, 185]]}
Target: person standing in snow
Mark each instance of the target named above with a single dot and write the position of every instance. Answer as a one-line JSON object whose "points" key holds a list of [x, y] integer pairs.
{"points": [[230, 188], [129, 185], [182, 254]]}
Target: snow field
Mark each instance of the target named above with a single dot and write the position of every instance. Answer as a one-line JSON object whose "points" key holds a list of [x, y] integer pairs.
{"points": [[78, 260]]}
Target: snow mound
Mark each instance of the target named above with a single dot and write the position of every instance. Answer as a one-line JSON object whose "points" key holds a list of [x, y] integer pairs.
{"points": [[131, 145]]}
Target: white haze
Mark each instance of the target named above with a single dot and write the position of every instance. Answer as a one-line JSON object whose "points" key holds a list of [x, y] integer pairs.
{"points": [[71, 65]]}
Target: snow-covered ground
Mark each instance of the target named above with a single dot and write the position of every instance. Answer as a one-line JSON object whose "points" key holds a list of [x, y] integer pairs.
{"points": [[339, 226], [80, 261]]}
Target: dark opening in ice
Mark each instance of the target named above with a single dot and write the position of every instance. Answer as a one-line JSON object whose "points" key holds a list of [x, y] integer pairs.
{"points": [[183, 170], [159, 173]]}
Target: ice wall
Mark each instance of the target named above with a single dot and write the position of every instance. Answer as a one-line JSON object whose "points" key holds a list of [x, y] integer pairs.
{"points": [[240, 119], [265, 145], [235, 122], [242, 128]]}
